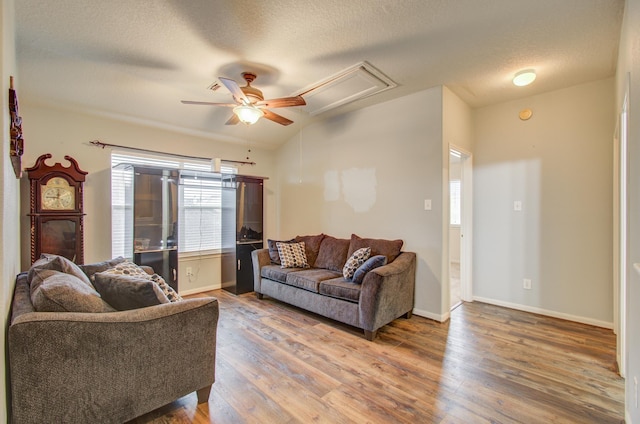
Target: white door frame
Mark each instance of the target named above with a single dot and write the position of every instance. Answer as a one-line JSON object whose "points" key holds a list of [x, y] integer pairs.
{"points": [[620, 222], [466, 223]]}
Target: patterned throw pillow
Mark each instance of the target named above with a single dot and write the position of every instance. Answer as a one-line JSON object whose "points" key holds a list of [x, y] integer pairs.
{"points": [[171, 294], [128, 268], [292, 255], [359, 257]]}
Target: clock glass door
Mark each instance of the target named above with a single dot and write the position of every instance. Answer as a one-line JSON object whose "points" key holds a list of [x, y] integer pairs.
{"points": [[59, 237]]}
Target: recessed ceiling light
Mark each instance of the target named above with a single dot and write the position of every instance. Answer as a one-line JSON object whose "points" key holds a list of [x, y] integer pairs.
{"points": [[525, 77]]}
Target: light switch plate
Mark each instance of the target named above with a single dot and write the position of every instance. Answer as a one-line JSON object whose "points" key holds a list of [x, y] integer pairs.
{"points": [[517, 205], [427, 204]]}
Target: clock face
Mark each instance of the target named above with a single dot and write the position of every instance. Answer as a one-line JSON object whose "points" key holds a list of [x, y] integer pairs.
{"points": [[58, 195]]}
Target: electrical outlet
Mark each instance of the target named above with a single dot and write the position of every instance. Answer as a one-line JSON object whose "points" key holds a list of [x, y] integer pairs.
{"points": [[189, 271], [526, 284]]}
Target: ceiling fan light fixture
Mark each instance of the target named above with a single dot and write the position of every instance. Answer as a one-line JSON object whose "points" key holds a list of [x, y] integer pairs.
{"points": [[525, 77], [248, 114]]}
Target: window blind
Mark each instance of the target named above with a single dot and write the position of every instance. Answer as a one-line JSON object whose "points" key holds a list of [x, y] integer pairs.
{"points": [[199, 203]]}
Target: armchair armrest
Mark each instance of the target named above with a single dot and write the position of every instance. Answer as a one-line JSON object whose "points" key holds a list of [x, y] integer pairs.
{"points": [[109, 367], [259, 258], [388, 292]]}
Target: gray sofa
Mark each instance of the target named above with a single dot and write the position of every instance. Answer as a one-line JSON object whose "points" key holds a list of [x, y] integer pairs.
{"points": [[107, 367], [386, 292]]}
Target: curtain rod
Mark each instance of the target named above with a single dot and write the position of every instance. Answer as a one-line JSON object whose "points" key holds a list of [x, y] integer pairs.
{"points": [[102, 145]]}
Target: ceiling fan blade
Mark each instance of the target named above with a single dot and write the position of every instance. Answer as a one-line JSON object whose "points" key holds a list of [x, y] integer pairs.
{"points": [[276, 118], [235, 90], [190, 102], [283, 102], [233, 120]]}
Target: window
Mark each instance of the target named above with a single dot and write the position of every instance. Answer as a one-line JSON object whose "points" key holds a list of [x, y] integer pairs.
{"points": [[199, 202], [455, 202]]}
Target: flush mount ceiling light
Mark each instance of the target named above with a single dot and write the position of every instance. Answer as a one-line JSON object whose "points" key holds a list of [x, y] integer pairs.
{"points": [[525, 77], [248, 114]]}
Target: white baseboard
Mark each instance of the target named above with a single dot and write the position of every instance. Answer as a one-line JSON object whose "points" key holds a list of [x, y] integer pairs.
{"points": [[430, 315], [200, 289], [554, 314]]}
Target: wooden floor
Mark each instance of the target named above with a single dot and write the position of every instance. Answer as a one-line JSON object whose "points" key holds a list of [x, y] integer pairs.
{"points": [[278, 364]]}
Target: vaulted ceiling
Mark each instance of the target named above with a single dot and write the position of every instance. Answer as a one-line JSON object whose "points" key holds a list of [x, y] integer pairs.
{"points": [[135, 60]]}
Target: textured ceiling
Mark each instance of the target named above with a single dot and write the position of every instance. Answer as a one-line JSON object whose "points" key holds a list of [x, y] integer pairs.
{"points": [[135, 60]]}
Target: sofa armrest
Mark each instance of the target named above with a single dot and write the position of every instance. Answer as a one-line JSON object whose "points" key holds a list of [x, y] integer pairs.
{"points": [[259, 258], [109, 367], [388, 292]]}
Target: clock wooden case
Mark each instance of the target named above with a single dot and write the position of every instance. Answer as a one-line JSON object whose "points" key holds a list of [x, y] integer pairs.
{"points": [[56, 209]]}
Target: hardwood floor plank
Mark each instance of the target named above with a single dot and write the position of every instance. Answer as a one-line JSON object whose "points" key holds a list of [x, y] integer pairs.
{"points": [[488, 364]]}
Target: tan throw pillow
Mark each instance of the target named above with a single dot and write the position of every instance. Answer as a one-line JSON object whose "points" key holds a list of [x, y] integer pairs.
{"points": [[125, 292], [55, 263], [60, 292], [292, 255], [359, 257]]}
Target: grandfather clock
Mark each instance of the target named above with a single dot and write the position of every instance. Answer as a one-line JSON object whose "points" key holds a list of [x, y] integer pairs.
{"points": [[56, 209]]}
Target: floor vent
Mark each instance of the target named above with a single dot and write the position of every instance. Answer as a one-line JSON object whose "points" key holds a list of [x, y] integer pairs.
{"points": [[354, 83]]}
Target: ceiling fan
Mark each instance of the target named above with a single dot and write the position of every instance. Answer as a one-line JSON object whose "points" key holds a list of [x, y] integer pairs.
{"points": [[250, 104]]}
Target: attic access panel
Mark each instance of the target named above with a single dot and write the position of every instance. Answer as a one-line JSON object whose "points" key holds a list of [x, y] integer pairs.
{"points": [[354, 83]]}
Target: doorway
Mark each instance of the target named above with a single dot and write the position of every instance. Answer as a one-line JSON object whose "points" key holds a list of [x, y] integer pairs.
{"points": [[460, 198]]}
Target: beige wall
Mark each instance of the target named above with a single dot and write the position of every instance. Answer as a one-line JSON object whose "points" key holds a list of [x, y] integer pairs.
{"points": [[9, 231], [559, 165], [368, 172], [62, 132]]}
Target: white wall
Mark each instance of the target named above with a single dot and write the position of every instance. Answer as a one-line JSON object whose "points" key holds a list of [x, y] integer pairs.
{"points": [[9, 231], [629, 64], [559, 165], [368, 172], [61, 132]]}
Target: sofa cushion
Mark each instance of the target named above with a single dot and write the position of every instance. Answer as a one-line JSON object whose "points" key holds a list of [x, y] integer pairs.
{"points": [[91, 269], [359, 257], [341, 289], [309, 279], [292, 255], [125, 292], [311, 247], [56, 263], [389, 248], [273, 249], [333, 253], [370, 264], [276, 272], [60, 292]]}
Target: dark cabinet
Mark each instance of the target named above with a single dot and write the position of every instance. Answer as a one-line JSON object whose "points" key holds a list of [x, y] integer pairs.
{"points": [[151, 221], [242, 230]]}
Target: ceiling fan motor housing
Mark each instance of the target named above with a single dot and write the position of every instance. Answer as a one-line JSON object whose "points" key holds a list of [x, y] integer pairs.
{"points": [[252, 93]]}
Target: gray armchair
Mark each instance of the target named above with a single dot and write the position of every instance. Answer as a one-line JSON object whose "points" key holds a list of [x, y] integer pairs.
{"points": [[71, 367]]}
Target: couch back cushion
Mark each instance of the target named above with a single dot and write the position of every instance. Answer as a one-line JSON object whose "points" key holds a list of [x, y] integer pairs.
{"points": [[311, 247], [332, 254], [389, 248]]}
